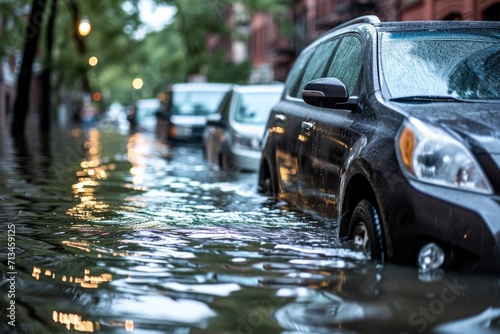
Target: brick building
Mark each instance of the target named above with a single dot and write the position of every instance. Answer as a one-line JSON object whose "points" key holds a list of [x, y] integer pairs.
{"points": [[271, 54], [481, 10]]}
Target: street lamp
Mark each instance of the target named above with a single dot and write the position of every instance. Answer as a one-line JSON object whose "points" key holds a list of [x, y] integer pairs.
{"points": [[93, 61], [84, 27], [137, 83]]}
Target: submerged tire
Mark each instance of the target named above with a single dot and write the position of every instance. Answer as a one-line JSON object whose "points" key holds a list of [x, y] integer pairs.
{"points": [[365, 230], [266, 185]]}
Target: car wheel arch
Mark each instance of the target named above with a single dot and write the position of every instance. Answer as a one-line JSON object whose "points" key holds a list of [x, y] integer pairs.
{"points": [[358, 187], [265, 175]]}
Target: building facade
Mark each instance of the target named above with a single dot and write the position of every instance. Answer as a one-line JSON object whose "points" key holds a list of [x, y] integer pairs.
{"points": [[271, 52], [481, 10]]}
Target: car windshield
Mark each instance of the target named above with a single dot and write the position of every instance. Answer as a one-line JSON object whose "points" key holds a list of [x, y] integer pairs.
{"points": [[146, 112], [147, 109], [254, 108], [441, 64], [196, 102]]}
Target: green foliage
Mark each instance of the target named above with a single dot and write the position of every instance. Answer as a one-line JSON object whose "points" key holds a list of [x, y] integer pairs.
{"points": [[12, 26], [108, 40], [218, 70], [160, 58], [194, 21]]}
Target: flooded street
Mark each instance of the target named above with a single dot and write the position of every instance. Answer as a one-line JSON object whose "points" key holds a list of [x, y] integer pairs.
{"points": [[117, 233]]}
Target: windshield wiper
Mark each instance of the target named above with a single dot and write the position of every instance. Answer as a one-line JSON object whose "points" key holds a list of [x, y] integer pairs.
{"points": [[430, 98]]}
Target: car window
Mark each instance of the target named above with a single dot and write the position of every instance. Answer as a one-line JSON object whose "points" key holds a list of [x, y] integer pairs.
{"points": [[254, 108], [317, 65], [297, 70], [224, 105], [460, 64], [346, 64], [196, 102]]}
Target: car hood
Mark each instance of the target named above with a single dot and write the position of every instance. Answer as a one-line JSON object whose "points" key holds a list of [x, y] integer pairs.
{"points": [[478, 124], [183, 120]]}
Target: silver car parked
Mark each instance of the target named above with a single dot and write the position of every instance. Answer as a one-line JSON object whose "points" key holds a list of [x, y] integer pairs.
{"points": [[189, 105], [232, 136]]}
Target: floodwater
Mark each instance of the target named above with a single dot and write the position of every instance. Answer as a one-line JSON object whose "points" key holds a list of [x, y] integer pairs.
{"points": [[118, 233]]}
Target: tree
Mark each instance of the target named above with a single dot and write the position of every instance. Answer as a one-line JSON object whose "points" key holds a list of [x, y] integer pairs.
{"points": [[24, 79], [196, 21], [11, 26], [46, 109], [110, 40]]}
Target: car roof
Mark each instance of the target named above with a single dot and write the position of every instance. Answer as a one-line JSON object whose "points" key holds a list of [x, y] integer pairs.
{"points": [[373, 21], [435, 25], [261, 88], [205, 86], [413, 25]]}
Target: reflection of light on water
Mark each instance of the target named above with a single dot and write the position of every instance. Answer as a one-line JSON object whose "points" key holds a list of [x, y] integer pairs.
{"points": [[88, 179], [36, 272], [221, 290], [136, 152], [337, 252], [315, 311], [82, 245], [75, 320], [87, 281], [129, 325]]}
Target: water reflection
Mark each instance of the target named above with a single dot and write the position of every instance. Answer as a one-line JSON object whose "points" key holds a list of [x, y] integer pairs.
{"points": [[90, 208], [137, 238], [389, 300], [74, 321], [87, 281], [137, 152]]}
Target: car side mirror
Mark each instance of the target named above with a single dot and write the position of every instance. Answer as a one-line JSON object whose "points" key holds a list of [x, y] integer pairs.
{"points": [[328, 93], [215, 120]]}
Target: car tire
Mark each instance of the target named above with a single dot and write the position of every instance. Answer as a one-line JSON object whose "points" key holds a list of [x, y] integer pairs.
{"points": [[266, 185], [365, 230], [227, 164], [222, 161]]}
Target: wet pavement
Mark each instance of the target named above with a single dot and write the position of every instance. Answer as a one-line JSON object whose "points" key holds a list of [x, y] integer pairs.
{"points": [[114, 232]]}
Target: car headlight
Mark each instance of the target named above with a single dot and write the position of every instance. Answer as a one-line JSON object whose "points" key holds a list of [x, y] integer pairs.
{"points": [[245, 142], [429, 154]]}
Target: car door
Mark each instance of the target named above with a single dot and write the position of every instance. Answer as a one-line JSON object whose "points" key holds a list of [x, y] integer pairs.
{"points": [[327, 136], [306, 149], [283, 128]]}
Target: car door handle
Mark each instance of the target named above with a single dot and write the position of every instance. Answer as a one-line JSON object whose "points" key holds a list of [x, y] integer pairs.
{"points": [[279, 118], [308, 126]]}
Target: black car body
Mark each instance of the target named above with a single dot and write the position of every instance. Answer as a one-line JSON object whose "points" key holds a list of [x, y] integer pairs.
{"points": [[394, 128]]}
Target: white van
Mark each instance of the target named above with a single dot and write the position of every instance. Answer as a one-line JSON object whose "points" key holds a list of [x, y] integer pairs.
{"points": [[189, 105], [146, 114]]}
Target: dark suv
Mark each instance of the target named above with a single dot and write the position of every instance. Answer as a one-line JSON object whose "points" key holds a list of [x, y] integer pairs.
{"points": [[394, 128]]}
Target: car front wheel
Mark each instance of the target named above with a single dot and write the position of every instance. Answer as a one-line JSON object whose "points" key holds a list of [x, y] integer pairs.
{"points": [[365, 230]]}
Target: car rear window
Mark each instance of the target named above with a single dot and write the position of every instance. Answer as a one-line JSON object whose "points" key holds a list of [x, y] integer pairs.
{"points": [[191, 103]]}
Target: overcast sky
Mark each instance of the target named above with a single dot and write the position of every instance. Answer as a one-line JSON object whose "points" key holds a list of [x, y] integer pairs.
{"points": [[154, 17]]}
